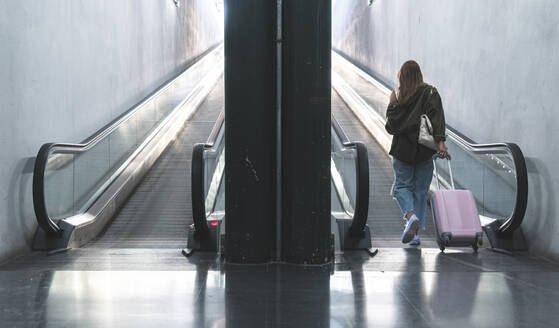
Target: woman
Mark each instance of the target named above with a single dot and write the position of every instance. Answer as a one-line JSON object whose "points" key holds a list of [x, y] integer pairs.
{"points": [[412, 162]]}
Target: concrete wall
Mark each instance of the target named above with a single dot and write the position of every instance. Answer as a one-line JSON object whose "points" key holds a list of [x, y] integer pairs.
{"points": [[495, 64], [68, 67]]}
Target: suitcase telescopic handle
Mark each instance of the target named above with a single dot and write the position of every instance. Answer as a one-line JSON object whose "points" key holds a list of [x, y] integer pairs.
{"points": [[449, 171]]}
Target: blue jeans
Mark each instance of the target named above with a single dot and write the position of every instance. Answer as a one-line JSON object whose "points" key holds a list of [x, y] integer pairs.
{"points": [[411, 187]]}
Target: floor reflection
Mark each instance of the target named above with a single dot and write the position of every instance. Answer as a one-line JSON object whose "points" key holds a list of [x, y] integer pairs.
{"points": [[427, 291], [146, 298], [277, 295], [450, 291]]}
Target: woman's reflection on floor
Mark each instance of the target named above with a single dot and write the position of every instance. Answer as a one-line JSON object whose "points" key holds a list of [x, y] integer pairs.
{"points": [[409, 284], [451, 290]]}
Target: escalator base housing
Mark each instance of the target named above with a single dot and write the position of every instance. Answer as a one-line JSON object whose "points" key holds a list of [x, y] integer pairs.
{"points": [[505, 243], [209, 242], [347, 242]]}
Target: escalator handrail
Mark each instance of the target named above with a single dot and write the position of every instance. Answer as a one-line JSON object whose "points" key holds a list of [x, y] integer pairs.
{"points": [[521, 203], [215, 130], [39, 205], [361, 211], [344, 139], [197, 179], [50, 227], [517, 216]]}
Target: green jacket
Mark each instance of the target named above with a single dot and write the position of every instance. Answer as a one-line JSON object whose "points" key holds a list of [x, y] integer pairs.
{"points": [[402, 121]]}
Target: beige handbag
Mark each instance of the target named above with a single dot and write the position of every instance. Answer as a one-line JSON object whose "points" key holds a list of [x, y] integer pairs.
{"points": [[426, 134]]}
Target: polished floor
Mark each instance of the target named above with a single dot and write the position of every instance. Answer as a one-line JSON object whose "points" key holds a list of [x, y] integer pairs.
{"points": [[397, 288]]}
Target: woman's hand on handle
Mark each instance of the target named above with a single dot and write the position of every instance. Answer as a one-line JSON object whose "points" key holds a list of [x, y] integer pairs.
{"points": [[443, 150]]}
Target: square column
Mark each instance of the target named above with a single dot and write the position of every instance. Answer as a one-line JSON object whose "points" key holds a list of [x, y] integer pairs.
{"points": [[306, 233], [250, 130]]}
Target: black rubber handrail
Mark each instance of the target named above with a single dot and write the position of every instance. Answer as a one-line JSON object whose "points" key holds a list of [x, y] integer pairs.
{"points": [[197, 180], [361, 212], [507, 226], [215, 130], [50, 227], [39, 205], [197, 193]]}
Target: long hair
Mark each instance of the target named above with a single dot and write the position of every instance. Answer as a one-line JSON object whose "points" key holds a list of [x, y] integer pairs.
{"points": [[410, 78]]}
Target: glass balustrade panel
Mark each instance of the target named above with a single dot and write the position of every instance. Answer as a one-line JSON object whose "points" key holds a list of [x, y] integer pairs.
{"points": [[59, 185], [343, 171], [214, 168], [490, 175], [91, 171]]}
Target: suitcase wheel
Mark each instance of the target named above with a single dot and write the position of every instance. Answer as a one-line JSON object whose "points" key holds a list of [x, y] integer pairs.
{"points": [[477, 242], [441, 245], [445, 238]]}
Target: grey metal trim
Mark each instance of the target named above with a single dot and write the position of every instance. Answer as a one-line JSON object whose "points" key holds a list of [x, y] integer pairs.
{"points": [[279, 79]]}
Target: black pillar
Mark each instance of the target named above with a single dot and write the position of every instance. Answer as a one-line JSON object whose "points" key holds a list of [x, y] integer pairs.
{"points": [[306, 131], [250, 130]]}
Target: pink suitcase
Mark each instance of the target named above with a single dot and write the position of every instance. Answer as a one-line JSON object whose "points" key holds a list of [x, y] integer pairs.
{"points": [[455, 216]]}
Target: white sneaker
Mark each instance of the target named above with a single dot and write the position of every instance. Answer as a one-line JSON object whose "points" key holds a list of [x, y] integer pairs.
{"points": [[415, 241], [412, 226]]}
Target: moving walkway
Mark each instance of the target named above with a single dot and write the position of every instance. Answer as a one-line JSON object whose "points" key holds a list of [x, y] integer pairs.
{"points": [[78, 189]]}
